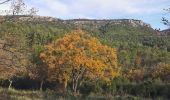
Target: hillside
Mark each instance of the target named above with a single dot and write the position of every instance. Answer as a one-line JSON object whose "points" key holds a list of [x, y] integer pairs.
{"points": [[107, 26], [166, 32], [114, 26], [117, 58], [129, 36]]}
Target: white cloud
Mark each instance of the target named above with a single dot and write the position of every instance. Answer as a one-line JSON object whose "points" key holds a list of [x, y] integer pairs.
{"points": [[97, 8], [147, 10], [57, 7]]}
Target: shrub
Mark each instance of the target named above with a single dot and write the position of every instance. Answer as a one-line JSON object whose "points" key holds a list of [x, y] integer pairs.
{"points": [[147, 89], [86, 88]]}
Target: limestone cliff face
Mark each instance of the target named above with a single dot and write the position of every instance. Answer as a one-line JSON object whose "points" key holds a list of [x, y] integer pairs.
{"points": [[98, 23], [80, 22], [94, 23], [29, 18], [38, 18]]}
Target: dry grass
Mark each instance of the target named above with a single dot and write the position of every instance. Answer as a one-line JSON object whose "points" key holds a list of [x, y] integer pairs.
{"points": [[12, 94]]}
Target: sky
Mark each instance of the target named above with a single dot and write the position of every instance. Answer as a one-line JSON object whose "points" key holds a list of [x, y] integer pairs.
{"points": [[149, 11]]}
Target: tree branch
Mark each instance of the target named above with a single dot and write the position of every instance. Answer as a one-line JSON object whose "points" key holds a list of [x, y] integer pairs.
{"points": [[2, 2]]}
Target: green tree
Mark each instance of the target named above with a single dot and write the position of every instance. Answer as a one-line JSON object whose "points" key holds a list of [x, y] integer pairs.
{"points": [[37, 69]]}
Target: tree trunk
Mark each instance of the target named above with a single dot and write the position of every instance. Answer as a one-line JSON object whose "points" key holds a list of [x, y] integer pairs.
{"points": [[75, 84], [10, 84], [41, 85], [65, 86]]}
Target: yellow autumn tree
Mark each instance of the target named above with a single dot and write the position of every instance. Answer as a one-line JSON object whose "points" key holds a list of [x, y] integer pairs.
{"points": [[77, 56], [12, 62], [162, 71], [135, 74]]}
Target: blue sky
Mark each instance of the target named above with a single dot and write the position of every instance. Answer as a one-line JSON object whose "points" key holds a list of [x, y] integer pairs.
{"points": [[150, 11]]}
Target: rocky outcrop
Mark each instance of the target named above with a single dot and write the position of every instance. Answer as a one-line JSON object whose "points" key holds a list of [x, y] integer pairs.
{"points": [[38, 18], [79, 22], [30, 18], [133, 22]]}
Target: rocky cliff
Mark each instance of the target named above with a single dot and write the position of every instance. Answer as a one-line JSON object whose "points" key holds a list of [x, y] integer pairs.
{"points": [[83, 22], [78, 22]]}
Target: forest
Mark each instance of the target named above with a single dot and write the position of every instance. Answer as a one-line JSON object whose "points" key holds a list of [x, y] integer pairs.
{"points": [[45, 58]]}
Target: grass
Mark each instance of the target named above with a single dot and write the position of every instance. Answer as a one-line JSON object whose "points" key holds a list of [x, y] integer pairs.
{"points": [[12, 94]]}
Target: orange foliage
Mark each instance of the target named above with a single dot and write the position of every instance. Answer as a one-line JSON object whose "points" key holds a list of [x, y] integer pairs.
{"points": [[135, 74], [77, 56], [12, 62], [162, 71]]}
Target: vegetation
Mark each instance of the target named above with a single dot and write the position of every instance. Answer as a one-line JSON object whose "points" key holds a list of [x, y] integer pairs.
{"points": [[78, 57], [110, 61]]}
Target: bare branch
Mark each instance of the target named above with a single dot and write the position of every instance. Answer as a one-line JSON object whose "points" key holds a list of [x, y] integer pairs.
{"points": [[2, 1]]}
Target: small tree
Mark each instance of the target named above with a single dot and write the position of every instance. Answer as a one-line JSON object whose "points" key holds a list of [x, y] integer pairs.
{"points": [[11, 62], [135, 74], [38, 70], [32, 11], [18, 7], [78, 56], [138, 60], [162, 71]]}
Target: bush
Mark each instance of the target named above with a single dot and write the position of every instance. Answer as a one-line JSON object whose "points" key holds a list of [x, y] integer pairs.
{"points": [[86, 88], [147, 89], [119, 83]]}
